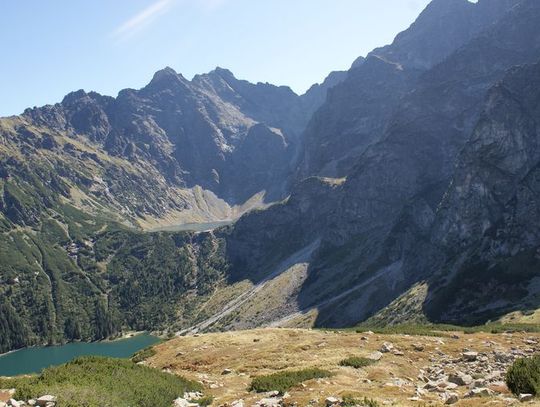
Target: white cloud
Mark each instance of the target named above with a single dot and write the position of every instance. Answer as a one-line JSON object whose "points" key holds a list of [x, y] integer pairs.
{"points": [[141, 20]]}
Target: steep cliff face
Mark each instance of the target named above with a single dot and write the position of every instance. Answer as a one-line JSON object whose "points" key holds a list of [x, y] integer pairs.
{"points": [[487, 222], [360, 110]]}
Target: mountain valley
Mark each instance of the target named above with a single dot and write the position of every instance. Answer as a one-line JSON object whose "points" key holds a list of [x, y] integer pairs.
{"points": [[402, 191]]}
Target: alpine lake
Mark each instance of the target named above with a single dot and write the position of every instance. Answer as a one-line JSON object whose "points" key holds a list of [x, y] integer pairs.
{"points": [[33, 360]]}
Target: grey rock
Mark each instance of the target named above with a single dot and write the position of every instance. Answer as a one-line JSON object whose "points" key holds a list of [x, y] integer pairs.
{"points": [[332, 401], [386, 347], [524, 397], [470, 356], [45, 400], [460, 379], [479, 392], [450, 398], [181, 402], [270, 402], [376, 356]]}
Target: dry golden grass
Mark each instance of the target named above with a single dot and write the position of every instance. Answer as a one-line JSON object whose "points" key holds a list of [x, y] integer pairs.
{"points": [[264, 351]]}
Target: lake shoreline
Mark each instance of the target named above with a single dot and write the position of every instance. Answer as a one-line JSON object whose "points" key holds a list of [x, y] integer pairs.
{"points": [[124, 335], [33, 359]]}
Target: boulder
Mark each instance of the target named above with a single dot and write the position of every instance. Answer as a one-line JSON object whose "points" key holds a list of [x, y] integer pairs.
{"points": [[376, 356], [525, 397], [195, 395], [226, 371], [332, 401], [46, 400], [479, 392], [450, 398], [182, 402], [461, 379], [418, 347], [470, 356], [478, 384], [387, 347], [270, 402], [503, 357]]}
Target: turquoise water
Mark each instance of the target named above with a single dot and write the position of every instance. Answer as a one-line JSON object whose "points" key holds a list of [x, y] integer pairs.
{"points": [[33, 360]]}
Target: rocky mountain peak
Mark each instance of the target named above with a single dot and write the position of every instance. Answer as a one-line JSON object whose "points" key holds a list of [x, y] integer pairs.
{"points": [[72, 97], [167, 79], [166, 72], [222, 73]]}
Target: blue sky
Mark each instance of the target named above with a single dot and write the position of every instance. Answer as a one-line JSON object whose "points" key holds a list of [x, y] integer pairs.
{"points": [[53, 47]]}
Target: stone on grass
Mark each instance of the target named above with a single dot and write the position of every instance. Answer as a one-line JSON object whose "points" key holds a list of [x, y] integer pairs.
{"points": [[332, 401], [450, 398], [375, 356], [387, 347], [45, 400], [525, 397], [479, 392], [182, 402], [461, 379], [470, 356]]}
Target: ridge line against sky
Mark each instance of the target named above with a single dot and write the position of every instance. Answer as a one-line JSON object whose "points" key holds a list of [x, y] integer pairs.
{"points": [[104, 46]]}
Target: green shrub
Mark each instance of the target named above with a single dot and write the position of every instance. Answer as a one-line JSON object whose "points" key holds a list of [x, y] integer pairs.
{"points": [[524, 376], [143, 354], [283, 381], [370, 403], [204, 401], [351, 401], [103, 382], [357, 362]]}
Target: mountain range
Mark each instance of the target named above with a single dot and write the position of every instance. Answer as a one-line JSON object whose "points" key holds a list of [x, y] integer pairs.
{"points": [[403, 190]]}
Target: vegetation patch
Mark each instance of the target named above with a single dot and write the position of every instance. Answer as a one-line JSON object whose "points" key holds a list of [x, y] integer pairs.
{"points": [[444, 329], [357, 362], [523, 377], [143, 354], [351, 401], [204, 401], [283, 381], [103, 382]]}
